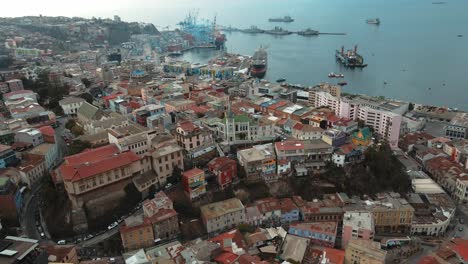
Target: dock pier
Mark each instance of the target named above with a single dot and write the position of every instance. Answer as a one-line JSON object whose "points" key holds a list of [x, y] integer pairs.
{"points": [[233, 29]]}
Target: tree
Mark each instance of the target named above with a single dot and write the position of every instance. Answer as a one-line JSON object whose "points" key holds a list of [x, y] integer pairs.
{"points": [[246, 228], [88, 97], [77, 146], [410, 107], [70, 124], [86, 82], [361, 123], [77, 130]]}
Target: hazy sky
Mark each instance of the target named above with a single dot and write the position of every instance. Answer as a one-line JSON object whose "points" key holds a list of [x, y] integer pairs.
{"points": [[159, 12], [88, 8]]}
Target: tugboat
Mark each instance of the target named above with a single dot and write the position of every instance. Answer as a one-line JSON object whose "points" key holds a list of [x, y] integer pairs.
{"points": [[308, 32], [286, 19], [373, 21], [259, 63], [350, 58], [253, 30], [278, 31]]}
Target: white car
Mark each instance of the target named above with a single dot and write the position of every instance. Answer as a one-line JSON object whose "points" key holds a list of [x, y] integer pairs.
{"points": [[112, 225], [61, 242]]}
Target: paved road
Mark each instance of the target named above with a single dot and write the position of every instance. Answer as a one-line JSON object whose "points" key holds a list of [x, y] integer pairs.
{"points": [[28, 223], [106, 235]]}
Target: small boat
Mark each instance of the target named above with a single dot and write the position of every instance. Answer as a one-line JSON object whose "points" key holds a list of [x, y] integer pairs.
{"points": [[459, 36], [373, 21], [342, 83], [335, 75], [280, 80]]}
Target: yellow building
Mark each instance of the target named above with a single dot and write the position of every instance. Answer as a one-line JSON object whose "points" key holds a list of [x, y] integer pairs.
{"points": [[137, 232], [364, 252]]}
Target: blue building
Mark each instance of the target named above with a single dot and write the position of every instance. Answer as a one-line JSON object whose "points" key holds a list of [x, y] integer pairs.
{"points": [[321, 233], [289, 211], [7, 157]]}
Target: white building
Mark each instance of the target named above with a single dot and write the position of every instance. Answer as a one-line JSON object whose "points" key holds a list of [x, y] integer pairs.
{"points": [[29, 135], [382, 115], [70, 105], [223, 215], [462, 189]]}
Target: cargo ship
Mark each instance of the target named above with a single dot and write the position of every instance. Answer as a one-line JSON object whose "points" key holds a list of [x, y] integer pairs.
{"points": [[350, 58], [259, 63], [286, 19], [278, 31], [308, 32]]}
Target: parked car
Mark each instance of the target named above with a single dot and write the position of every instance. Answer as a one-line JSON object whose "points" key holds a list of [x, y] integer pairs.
{"points": [[112, 225], [460, 228], [42, 235], [61, 242]]}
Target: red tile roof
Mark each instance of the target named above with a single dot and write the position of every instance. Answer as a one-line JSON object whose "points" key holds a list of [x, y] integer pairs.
{"points": [[335, 256], [47, 131], [92, 162], [322, 227], [428, 260], [248, 259], [226, 258], [231, 236], [187, 126], [460, 246], [125, 229], [289, 145], [191, 173], [59, 251], [219, 162], [91, 154], [298, 126], [278, 104], [269, 204], [287, 205], [161, 215]]}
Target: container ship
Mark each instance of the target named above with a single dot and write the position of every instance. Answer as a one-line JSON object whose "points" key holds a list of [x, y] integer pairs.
{"points": [[350, 58], [259, 63], [286, 19]]}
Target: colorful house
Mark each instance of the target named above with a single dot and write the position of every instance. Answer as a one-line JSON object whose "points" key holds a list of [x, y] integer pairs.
{"points": [[194, 183], [362, 137]]}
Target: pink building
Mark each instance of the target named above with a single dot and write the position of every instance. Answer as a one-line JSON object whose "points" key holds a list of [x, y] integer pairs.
{"points": [[178, 105], [15, 85], [357, 225]]}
